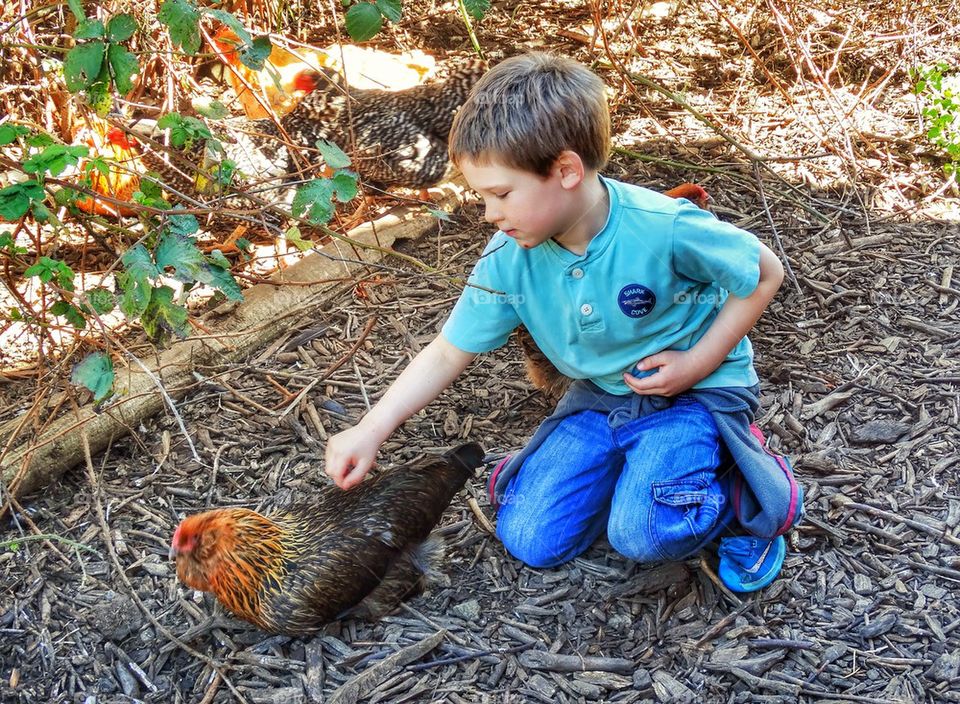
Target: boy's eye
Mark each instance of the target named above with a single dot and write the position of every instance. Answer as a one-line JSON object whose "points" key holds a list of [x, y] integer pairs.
{"points": [[502, 195]]}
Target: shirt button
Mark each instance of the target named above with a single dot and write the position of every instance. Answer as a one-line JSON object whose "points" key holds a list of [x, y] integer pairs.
{"points": [[577, 273], [586, 309]]}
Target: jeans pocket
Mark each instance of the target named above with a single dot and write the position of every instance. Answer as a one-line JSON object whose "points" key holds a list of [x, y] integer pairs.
{"points": [[684, 513]]}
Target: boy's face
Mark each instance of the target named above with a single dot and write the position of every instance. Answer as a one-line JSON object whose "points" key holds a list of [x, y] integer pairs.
{"points": [[529, 208]]}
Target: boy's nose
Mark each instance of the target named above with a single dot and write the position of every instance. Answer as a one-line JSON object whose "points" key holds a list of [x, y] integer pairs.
{"points": [[491, 215]]}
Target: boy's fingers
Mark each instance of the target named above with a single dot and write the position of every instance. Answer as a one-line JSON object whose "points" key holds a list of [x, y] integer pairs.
{"points": [[355, 475]]}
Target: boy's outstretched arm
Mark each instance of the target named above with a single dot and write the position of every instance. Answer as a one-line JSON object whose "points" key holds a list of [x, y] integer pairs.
{"points": [[351, 454], [681, 370]]}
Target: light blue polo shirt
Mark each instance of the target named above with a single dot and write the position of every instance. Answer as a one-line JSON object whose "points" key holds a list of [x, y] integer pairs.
{"points": [[653, 279]]}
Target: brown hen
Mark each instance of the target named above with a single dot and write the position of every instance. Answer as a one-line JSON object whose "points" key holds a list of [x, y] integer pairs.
{"points": [[294, 568]]}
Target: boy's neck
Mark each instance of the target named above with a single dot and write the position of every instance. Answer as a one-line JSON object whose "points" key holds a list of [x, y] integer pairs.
{"points": [[592, 206]]}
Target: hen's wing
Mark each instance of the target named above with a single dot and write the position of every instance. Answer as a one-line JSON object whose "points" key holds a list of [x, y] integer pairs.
{"points": [[393, 149]]}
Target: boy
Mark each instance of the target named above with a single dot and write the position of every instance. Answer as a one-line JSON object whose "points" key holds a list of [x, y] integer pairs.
{"points": [[646, 301]]}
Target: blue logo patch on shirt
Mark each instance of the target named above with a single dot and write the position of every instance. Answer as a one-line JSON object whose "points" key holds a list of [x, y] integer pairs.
{"points": [[636, 300]]}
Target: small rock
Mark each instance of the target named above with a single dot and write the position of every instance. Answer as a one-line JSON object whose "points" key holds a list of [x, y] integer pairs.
{"points": [[467, 610], [945, 668], [879, 432], [642, 680], [619, 622], [116, 616]]}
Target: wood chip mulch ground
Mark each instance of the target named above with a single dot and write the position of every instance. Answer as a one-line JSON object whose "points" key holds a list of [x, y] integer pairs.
{"points": [[859, 361], [860, 384]]}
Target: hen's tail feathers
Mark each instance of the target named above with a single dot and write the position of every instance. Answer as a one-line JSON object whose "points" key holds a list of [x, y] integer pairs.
{"points": [[468, 456], [692, 192]]}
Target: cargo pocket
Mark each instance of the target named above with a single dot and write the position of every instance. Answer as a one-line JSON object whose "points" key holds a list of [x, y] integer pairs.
{"points": [[685, 511]]}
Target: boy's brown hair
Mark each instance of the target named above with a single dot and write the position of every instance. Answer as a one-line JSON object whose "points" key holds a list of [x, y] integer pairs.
{"points": [[529, 108]]}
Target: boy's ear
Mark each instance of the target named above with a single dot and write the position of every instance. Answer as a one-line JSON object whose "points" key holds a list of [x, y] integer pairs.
{"points": [[569, 167]]}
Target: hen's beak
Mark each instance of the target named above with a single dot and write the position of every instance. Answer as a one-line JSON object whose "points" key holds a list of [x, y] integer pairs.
{"points": [[172, 555]]}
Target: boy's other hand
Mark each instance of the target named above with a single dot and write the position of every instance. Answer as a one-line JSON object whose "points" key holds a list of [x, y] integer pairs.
{"points": [[350, 455], [677, 372]]}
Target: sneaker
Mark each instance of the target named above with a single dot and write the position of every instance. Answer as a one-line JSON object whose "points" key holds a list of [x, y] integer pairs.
{"points": [[748, 563]]}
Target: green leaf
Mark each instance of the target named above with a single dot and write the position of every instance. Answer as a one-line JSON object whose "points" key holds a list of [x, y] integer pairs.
{"points": [[254, 55], [82, 65], [8, 243], [333, 156], [345, 186], [98, 96], [233, 23], [220, 278], [89, 29], [184, 130], [40, 140], [293, 236], [363, 21], [55, 159], [179, 256], [95, 372], [163, 314], [243, 244], [135, 295], [215, 110], [124, 65], [10, 132], [76, 7], [312, 200], [223, 172], [101, 300], [183, 21], [15, 200], [391, 9], [121, 27], [184, 225], [137, 262], [477, 8], [47, 269], [438, 214], [70, 312]]}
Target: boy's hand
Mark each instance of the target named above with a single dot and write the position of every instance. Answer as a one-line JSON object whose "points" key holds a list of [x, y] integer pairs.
{"points": [[677, 372], [350, 455]]}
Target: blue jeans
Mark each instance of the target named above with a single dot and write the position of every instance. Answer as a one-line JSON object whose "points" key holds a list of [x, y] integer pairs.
{"points": [[652, 483]]}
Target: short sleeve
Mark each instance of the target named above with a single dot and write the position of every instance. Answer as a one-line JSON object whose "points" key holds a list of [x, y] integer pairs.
{"points": [[712, 251], [484, 315]]}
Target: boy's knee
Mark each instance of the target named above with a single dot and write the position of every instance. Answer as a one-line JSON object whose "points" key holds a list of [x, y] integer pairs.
{"points": [[627, 534], [529, 542]]}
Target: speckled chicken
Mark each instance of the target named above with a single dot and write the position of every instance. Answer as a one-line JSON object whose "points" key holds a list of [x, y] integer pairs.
{"points": [[292, 569], [400, 136]]}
